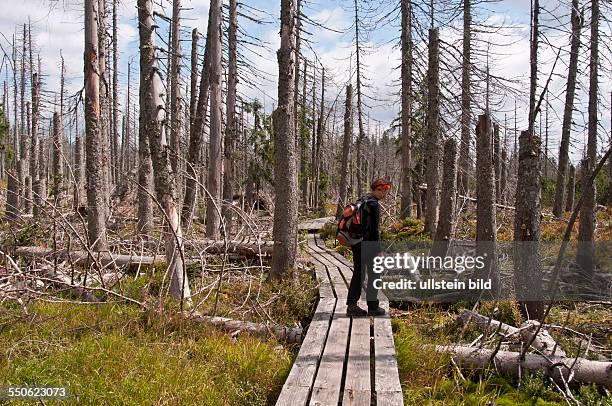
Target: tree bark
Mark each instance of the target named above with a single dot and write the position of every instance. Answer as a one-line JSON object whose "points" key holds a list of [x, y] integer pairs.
{"points": [[193, 93], [213, 220], [444, 231], [361, 136], [566, 127], [571, 187], [152, 113], [197, 131], [406, 184], [176, 104], [304, 139], [230, 127], [346, 146], [486, 229], [34, 144], [585, 256], [464, 150], [497, 162], [57, 158], [527, 260], [115, 109], [285, 185], [509, 363], [432, 174], [97, 186]]}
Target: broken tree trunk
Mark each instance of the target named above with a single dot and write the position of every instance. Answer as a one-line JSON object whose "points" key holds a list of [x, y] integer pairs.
{"points": [[542, 342], [560, 369]]}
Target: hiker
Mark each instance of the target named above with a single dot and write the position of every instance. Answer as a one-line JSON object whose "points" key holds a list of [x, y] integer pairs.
{"points": [[364, 253]]}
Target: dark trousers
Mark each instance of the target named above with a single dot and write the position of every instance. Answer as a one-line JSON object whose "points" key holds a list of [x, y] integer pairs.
{"points": [[359, 263]]}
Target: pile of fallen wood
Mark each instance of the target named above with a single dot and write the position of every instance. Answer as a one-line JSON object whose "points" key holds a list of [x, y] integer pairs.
{"points": [[546, 355]]}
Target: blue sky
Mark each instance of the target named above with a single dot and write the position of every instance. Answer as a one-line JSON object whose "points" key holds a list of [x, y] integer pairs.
{"points": [[58, 26]]}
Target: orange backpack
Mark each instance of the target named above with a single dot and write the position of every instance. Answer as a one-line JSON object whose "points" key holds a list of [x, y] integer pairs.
{"points": [[350, 227]]}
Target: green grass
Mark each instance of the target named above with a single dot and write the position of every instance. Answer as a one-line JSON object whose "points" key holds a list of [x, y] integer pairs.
{"points": [[117, 354]]}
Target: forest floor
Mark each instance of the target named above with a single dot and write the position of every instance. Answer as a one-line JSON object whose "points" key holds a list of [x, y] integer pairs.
{"points": [[120, 353]]}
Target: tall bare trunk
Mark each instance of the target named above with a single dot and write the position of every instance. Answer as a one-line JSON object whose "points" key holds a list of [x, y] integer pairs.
{"points": [[316, 171], [197, 130], [285, 171], [213, 220], [34, 143], [303, 139], [432, 174], [115, 109], [193, 100], [464, 150], [175, 90], [361, 135], [566, 127], [486, 230], [497, 162], [406, 184], [153, 116], [585, 256], [346, 146], [571, 187], [230, 127], [57, 158], [296, 85], [97, 186]]}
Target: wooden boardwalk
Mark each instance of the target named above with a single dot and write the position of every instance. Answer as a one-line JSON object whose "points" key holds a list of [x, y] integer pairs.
{"points": [[342, 360]]}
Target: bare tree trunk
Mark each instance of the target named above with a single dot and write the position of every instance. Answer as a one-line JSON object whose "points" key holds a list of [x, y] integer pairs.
{"points": [[346, 146], [316, 172], [193, 100], [527, 265], [23, 147], [213, 220], [566, 127], [296, 94], [585, 256], [285, 171], [57, 159], [175, 90], [152, 113], [464, 150], [504, 174], [97, 185], [115, 109], [12, 197], [444, 231], [361, 135], [303, 139], [195, 138], [571, 187], [497, 162], [104, 94], [79, 171], [533, 63], [432, 173], [313, 147], [486, 230], [28, 178], [230, 127], [406, 184]]}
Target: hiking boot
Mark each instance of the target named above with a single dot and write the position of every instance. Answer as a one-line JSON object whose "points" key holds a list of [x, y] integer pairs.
{"points": [[376, 311], [355, 311]]}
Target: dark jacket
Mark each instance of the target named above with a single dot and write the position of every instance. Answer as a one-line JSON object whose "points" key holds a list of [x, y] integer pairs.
{"points": [[371, 223]]}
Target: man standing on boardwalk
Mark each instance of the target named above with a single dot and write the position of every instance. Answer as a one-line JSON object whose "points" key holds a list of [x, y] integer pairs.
{"points": [[365, 251]]}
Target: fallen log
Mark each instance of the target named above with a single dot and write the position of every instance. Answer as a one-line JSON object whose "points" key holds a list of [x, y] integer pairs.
{"points": [[543, 342], [216, 247], [287, 334], [561, 369], [84, 258]]}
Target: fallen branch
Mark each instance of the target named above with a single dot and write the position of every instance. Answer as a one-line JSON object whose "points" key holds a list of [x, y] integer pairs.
{"points": [[561, 369], [543, 342], [234, 327]]}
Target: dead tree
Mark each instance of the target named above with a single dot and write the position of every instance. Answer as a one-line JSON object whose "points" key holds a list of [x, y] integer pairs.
{"points": [[316, 163], [12, 197], [97, 184], [432, 173], [527, 259], [104, 93], [152, 113], [285, 171], [34, 145], [486, 230], [115, 108], [346, 146], [175, 90], [197, 131], [447, 204], [304, 139], [361, 135], [566, 127], [193, 95], [497, 162], [213, 219], [231, 133], [79, 170], [585, 256], [57, 159], [406, 183], [464, 150]]}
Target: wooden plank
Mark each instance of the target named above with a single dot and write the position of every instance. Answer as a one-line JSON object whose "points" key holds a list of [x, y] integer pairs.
{"points": [[357, 388], [326, 388], [325, 288], [298, 385], [395, 398], [338, 281], [386, 376]]}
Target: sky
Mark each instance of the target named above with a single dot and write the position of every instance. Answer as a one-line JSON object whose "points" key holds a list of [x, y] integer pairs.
{"points": [[58, 28]]}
